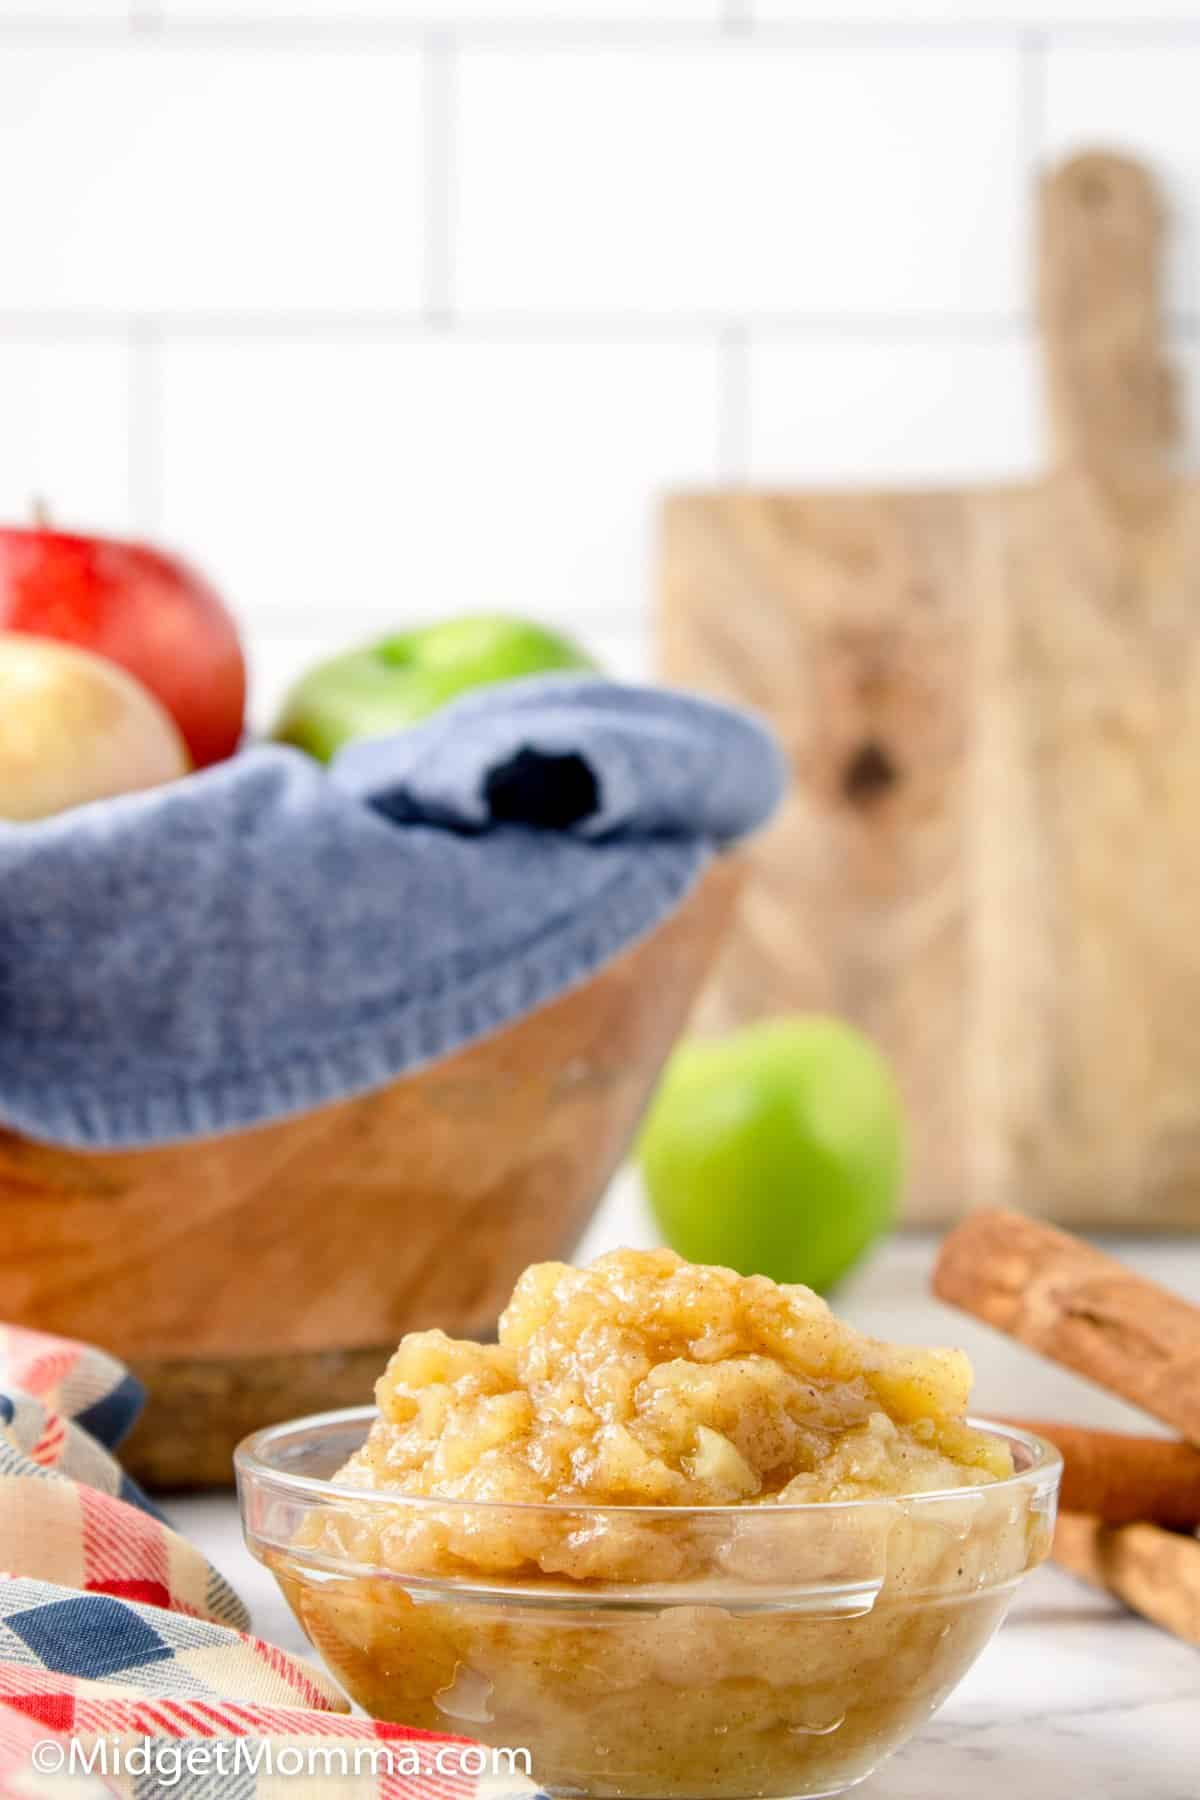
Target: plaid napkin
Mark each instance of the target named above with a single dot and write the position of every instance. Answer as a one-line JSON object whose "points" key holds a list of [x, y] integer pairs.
{"points": [[126, 1664]]}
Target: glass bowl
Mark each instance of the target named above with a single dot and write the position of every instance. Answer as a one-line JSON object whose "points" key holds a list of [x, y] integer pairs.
{"points": [[713, 1653]]}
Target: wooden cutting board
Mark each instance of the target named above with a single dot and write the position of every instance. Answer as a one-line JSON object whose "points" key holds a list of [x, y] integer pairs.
{"points": [[990, 858]]}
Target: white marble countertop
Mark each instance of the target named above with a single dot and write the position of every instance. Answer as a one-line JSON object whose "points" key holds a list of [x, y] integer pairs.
{"points": [[1075, 1698]]}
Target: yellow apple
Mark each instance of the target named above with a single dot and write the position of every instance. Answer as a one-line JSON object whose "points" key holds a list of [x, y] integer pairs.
{"points": [[74, 727]]}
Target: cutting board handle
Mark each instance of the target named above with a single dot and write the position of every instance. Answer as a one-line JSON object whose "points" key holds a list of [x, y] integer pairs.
{"points": [[1110, 392]]}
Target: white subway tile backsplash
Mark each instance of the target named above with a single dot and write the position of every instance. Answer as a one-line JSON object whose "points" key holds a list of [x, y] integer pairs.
{"points": [[853, 412], [1144, 99], [739, 179], [143, 179], [658, 252], [64, 432], [349, 487]]}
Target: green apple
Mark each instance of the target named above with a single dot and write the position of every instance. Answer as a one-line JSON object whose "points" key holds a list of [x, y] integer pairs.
{"points": [[402, 679], [778, 1150]]}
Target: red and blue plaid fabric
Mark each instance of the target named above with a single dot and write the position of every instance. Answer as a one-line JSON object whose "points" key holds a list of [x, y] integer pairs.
{"points": [[126, 1663]]}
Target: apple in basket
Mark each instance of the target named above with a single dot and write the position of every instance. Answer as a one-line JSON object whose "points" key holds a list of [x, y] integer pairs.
{"points": [[140, 608], [401, 679], [74, 727]]}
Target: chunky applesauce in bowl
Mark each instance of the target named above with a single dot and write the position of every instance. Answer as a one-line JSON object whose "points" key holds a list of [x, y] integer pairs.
{"points": [[678, 1533]]}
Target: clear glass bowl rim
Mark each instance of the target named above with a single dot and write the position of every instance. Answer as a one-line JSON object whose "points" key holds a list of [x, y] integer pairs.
{"points": [[255, 1469]]}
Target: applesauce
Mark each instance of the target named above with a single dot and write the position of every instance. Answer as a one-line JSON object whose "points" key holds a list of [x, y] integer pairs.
{"points": [[679, 1532]]}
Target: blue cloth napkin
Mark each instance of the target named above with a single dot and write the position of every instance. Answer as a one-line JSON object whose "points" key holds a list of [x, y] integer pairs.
{"points": [[270, 935]]}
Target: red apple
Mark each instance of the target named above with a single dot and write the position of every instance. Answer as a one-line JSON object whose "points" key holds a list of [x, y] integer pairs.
{"points": [[74, 727], [140, 608]]}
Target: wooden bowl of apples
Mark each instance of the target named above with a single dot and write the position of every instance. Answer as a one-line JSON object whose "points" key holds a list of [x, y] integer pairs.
{"points": [[270, 1272], [267, 1272]]}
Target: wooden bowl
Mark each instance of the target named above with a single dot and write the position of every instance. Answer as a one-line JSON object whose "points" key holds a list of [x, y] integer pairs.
{"points": [[254, 1276]]}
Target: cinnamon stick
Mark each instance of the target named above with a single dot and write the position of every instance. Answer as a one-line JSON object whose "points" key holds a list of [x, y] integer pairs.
{"points": [[1079, 1307], [1124, 1480], [1155, 1572]]}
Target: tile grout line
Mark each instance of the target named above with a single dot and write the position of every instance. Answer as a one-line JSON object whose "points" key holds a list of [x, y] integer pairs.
{"points": [[595, 619], [441, 120], [735, 18], [145, 426], [1031, 153], [238, 326], [146, 16], [1035, 48], [733, 427]]}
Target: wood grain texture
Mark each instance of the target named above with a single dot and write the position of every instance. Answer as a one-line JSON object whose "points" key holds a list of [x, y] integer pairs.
{"points": [[1122, 1479], [199, 1409], [991, 702], [1082, 1059], [241, 1273], [841, 617], [1155, 1572], [1080, 1307], [1110, 392]]}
